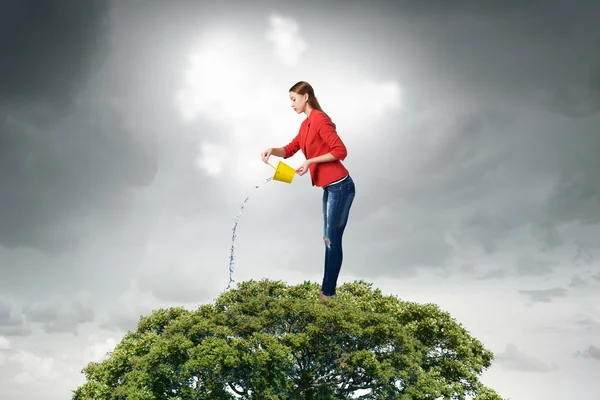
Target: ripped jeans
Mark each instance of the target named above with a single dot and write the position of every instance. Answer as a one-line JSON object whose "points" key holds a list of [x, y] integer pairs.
{"points": [[337, 200]]}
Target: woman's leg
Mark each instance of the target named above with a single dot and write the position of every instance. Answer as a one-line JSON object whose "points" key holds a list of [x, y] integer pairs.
{"points": [[325, 203], [337, 201]]}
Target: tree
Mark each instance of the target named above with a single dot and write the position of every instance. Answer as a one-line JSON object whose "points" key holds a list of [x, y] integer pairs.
{"points": [[268, 341]]}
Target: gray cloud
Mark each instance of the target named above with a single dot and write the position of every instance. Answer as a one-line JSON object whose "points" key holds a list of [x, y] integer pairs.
{"points": [[514, 359], [497, 149], [547, 234], [529, 266], [585, 253], [578, 101], [60, 317], [482, 175], [575, 196], [62, 173], [123, 319], [10, 324], [585, 279], [588, 324], [474, 8], [50, 49], [120, 323], [498, 273], [544, 295], [180, 285], [65, 156], [577, 281], [591, 352], [405, 253], [42, 312]]}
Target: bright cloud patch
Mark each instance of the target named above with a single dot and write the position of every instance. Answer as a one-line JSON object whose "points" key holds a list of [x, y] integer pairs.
{"points": [[359, 103], [212, 82], [34, 368], [211, 158], [285, 34], [244, 98], [98, 350], [215, 88], [382, 97]]}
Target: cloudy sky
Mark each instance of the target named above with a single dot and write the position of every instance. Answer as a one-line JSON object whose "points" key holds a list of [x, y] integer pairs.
{"points": [[131, 132]]}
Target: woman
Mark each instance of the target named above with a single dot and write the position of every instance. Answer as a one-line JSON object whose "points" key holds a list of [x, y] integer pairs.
{"points": [[324, 151]]}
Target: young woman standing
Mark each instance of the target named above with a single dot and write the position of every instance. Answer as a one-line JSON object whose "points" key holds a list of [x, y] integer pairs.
{"points": [[324, 151]]}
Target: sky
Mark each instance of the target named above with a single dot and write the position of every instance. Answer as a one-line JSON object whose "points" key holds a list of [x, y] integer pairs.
{"points": [[131, 132]]}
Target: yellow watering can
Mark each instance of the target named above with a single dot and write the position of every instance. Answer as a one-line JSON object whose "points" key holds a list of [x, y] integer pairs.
{"points": [[283, 172]]}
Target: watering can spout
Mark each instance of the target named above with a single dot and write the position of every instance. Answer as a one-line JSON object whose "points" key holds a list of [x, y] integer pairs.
{"points": [[283, 172]]}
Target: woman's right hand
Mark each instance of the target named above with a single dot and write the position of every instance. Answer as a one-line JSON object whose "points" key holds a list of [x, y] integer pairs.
{"points": [[266, 154]]}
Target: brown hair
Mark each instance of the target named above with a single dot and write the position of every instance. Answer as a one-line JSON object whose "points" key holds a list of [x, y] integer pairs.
{"points": [[303, 88]]}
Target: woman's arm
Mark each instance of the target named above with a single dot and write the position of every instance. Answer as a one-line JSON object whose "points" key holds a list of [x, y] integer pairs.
{"points": [[278, 152], [288, 150], [324, 158], [337, 148]]}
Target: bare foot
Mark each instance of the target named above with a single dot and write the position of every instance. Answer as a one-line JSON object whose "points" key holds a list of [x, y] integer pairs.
{"points": [[323, 297]]}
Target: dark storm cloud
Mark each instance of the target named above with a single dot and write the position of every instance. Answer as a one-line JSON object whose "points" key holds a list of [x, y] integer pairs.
{"points": [[527, 76], [49, 48], [65, 158], [545, 57], [508, 157], [516, 45], [458, 178], [576, 196], [57, 175], [580, 100]]}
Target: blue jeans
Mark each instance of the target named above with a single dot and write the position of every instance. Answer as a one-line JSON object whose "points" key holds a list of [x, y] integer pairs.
{"points": [[337, 200]]}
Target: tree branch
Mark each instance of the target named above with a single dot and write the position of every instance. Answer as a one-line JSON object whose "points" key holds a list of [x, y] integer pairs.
{"points": [[300, 388], [242, 393], [299, 361], [355, 388]]}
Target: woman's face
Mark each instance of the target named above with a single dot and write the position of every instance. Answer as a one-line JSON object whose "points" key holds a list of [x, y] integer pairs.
{"points": [[298, 101]]}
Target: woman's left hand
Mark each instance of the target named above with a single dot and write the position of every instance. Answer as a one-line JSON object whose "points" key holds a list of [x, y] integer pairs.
{"points": [[303, 168]]}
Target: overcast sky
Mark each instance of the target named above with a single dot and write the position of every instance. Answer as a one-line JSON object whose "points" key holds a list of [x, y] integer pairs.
{"points": [[131, 132]]}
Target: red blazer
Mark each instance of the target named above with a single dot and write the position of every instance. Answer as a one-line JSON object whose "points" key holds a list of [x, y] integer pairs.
{"points": [[316, 137]]}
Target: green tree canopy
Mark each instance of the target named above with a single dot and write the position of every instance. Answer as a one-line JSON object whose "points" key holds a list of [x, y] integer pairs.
{"points": [[269, 341]]}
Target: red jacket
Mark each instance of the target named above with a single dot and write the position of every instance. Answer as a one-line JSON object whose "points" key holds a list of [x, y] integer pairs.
{"points": [[317, 136]]}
